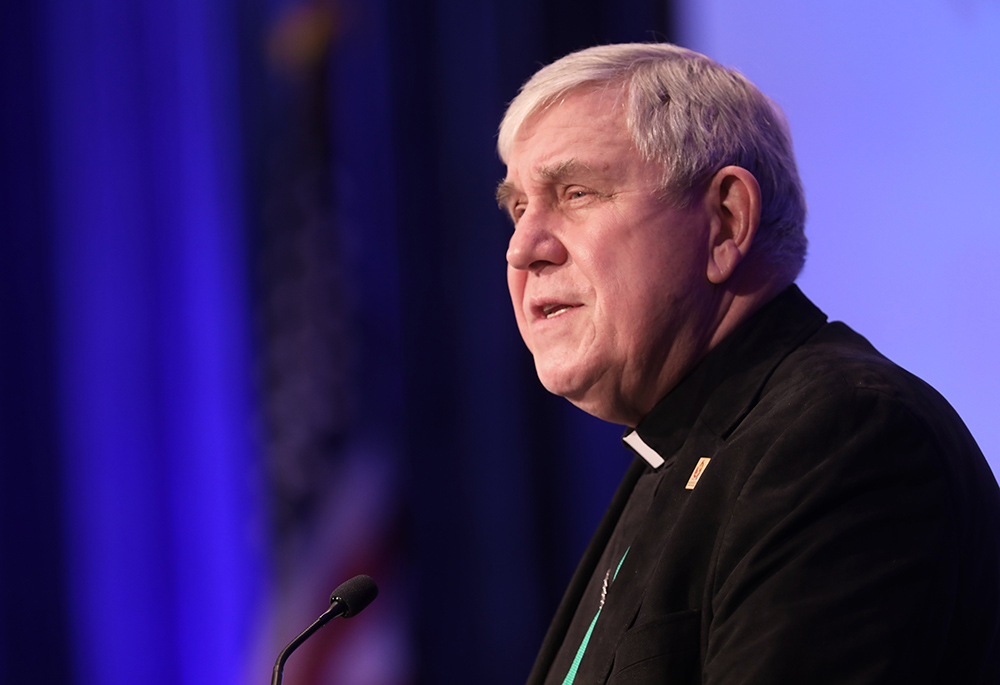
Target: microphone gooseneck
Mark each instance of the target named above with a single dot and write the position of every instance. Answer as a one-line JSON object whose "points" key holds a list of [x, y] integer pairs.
{"points": [[348, 600]]}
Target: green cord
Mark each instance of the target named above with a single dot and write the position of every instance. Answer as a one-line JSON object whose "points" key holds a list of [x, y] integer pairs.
{"points": [[571, 676]]}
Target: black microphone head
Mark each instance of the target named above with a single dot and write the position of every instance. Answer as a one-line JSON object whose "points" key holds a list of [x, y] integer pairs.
{"points": [[355, 594]]}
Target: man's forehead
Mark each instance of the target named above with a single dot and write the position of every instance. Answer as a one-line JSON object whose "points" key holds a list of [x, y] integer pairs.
{"points": [[584, 114], [581, 136], [568, 137]]}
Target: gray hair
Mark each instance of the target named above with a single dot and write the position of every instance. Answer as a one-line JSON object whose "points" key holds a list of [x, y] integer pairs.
{"points": [[693, 117]]}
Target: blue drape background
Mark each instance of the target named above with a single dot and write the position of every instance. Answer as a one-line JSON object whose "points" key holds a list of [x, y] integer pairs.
{"points": [[129, 324], [139, 533]]}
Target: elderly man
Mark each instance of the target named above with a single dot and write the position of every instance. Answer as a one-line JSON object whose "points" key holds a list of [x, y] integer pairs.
{"points": [[800, 510]]}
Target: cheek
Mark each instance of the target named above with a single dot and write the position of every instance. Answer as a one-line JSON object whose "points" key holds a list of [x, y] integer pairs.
{"points": [[515, 284], [634, 290]]}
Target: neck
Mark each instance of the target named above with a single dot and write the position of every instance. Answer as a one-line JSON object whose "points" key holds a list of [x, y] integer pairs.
{"points": [[750, 288]]}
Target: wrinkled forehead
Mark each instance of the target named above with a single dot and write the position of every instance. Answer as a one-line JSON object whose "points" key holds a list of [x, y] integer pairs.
{"points": [[582, 139], [583, 121], [533, 105]]}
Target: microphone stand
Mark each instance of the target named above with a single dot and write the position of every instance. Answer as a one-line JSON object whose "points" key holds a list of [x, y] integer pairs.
{"points": [[335, 610]]}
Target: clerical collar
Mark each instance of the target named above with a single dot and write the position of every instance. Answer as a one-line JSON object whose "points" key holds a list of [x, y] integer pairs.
{"points": [[651, 456]]}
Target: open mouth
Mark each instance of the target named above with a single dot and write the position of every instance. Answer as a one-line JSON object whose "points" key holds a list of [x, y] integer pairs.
{"points": [[553, 310]]}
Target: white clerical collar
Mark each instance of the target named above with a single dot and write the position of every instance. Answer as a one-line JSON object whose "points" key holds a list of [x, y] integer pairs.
{"points": [[643, 450]]}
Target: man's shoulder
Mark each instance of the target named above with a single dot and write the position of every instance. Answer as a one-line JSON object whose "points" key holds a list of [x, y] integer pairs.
{"points": [[836, 397], [838, 364]]}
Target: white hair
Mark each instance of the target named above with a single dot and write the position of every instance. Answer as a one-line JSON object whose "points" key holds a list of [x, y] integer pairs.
{"points": [[693, 117]]}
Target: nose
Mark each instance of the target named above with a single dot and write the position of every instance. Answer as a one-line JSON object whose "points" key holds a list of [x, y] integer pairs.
{"points": [[533, 246]]}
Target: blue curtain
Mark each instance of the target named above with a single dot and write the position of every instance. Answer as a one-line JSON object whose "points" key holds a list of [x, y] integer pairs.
{"points": [[134, 509], [506, 483], [137, 340], [34, 639]]}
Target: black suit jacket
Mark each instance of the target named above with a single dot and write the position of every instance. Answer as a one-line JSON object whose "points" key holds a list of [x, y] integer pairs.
{"points": [[846, 529]]}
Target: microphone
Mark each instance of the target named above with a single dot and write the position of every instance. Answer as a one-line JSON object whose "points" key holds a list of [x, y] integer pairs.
{"points": [[348, 600]]}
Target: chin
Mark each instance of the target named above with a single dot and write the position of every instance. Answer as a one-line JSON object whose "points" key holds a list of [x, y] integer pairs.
{"points": [[588, 397], [578, 389], [560, 381]]}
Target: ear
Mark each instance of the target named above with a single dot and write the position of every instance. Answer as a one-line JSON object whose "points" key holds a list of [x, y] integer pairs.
{"points": [[733, 199]]}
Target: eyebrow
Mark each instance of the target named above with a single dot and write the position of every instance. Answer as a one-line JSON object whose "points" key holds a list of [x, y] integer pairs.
{"points": [[553, 174], [504, 190]]}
